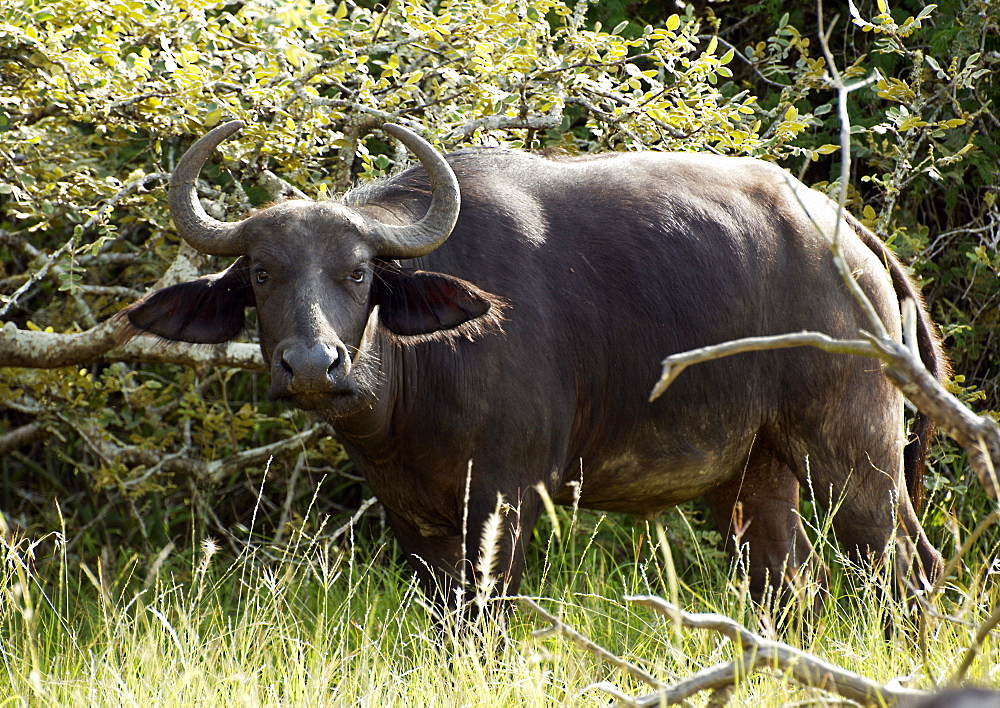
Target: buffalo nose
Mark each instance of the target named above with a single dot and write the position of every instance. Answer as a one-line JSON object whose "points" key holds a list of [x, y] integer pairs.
{"points": [[314, 367]]}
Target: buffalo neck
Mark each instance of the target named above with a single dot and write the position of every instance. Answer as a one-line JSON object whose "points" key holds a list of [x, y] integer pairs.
{"points": [[368, 428]]}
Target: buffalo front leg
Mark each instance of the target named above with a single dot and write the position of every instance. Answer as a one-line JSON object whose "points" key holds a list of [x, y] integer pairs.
{"points": [[465, 574], [498, 530], [757, 514], [436, 562]]}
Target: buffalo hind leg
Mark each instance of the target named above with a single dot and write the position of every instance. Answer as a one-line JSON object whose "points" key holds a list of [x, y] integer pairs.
{"points": [[871, 510], [757, 514]]}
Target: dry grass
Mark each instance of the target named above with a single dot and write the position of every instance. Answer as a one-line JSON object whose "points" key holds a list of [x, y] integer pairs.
{"points": [[344, 624]]}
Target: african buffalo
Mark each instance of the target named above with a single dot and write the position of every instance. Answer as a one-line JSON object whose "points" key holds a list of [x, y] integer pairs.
{"points": [[493, 320]]}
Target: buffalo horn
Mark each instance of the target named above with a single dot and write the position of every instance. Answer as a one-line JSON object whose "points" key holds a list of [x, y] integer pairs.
{"points": [[201, 231], [431, 231]]}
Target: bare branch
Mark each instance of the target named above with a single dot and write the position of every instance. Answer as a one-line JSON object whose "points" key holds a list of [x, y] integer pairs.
{"points": [[279, 188], [674, 364], [49, 350], [978, 435], [757, 653], [21, 437], [216, 471], [552, 120], [37, 275], [560, 627], [760, 652], [52, 260], [155, 463]]}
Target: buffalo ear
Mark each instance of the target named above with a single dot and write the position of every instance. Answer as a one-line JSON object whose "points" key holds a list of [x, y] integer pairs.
{"points": [[209, 310], [417, 303]]}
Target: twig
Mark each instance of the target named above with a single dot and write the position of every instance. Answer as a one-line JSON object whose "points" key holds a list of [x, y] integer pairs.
{"points": [[278, 188], [21, 437], [52, 260], [49, 350], [215, 471], [346, 526], [560, 627], [544, 122], [978, 435]]}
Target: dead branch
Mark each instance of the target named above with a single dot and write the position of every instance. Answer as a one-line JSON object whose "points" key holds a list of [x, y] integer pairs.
{"points": [[51, 261], [50, 350], [674, 364], [801, 666], [560, 627], [216, 471], [155, 463], [978, 435], [21, 437], [757, 653]]}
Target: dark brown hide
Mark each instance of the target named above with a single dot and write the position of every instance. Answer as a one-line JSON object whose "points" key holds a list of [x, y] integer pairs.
{"points": [[603, 267]]}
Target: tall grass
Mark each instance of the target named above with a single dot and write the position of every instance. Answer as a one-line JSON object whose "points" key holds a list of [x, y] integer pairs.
{"points": [[340, 623]]}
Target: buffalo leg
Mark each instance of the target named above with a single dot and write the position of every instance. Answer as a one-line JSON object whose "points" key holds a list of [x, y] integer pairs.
{"points": [[434, 559], [468, 580], [871, 509], [757, 514], [499, 528]]}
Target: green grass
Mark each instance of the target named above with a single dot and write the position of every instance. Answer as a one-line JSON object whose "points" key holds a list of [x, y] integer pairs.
{"points": [[341, 623]]}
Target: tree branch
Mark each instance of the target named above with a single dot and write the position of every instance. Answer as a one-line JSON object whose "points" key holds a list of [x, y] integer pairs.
{"points": [[21, 437], [544, 122], [759, 652], [49, 350], [674, 364], [560, 627], [978, 435]]}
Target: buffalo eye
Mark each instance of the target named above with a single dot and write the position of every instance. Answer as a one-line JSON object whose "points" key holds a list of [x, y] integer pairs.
{"points": [[358, 275], [261, 276]]}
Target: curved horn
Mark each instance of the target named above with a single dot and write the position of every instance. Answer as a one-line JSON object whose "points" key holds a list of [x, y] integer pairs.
{"points": [[431, 231], [201, 231]]}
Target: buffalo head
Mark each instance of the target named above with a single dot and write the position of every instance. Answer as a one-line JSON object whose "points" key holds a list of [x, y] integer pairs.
{"points": [[323, 277]]}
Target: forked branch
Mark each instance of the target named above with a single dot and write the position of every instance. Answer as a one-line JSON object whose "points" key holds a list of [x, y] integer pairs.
{"points": [[758, 653], [978, 435]]}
